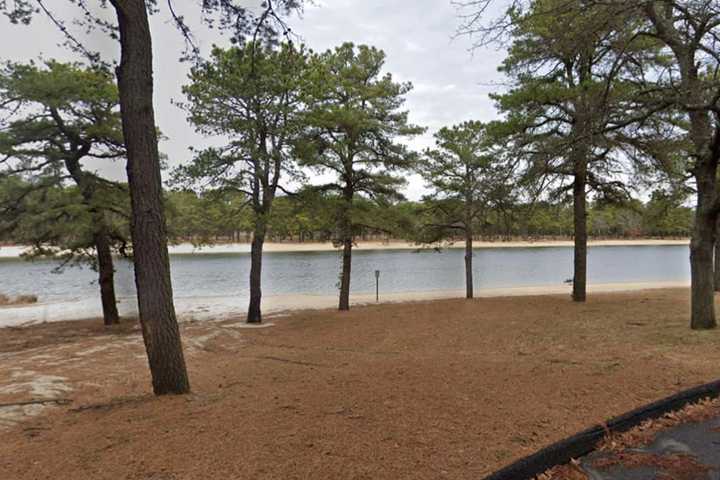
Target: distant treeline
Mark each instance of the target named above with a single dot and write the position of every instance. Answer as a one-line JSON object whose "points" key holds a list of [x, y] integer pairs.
{"points": [[310, 217]]}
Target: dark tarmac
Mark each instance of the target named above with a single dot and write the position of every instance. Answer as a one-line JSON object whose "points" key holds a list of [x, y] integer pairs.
{"points": [[690, 451]]}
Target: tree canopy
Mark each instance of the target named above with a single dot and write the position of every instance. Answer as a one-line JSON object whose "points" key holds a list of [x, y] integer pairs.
{"points": [[354, 123], [55, 119], [252, 96]]}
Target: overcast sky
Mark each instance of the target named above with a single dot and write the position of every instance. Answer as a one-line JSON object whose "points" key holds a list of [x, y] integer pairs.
{"points": [[451, 83]]}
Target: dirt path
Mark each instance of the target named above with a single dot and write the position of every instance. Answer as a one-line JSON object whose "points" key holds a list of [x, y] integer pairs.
{"points": [[444, 389]]}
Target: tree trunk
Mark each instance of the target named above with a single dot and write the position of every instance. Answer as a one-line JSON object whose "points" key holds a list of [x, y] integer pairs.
{"points": [[702, 282], [579, 293], [581, 152], [703, 239], [717, 257], [701, 252], [347, 241], [345, 275], [468, 265], [101, 240], [160, 329], [256, 250], [106, 274]]}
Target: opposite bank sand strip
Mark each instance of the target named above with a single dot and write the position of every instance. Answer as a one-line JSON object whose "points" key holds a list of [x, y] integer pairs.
{"points": [[187, 248]]}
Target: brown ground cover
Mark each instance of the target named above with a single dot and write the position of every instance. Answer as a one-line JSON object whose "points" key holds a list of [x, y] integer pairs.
{"points": [[443, 389]]}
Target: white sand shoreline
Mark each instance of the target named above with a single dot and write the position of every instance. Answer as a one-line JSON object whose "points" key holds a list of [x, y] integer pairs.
{"points": [[15, 251], [224, 307]]}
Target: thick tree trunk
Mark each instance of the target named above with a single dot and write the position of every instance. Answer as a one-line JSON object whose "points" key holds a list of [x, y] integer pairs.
{"points": [[701, 252], [702, 281], [580, 155], [106, 274], [256, 250], [702, 245], [152, 265], [579, 293], [469, 265]]}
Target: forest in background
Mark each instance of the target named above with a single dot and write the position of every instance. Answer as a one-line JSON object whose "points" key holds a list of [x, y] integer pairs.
{"points": [[309, 216]]}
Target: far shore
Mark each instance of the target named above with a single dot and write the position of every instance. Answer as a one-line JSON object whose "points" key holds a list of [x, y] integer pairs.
{"points": [[14, 251]]}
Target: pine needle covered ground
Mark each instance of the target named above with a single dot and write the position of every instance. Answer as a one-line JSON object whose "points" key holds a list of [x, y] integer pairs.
{"points": [[443, 389]]}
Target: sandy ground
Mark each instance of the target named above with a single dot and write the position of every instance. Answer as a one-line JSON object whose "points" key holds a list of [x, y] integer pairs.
{"points": [[187, 248], [226, 307], [427, 390]]}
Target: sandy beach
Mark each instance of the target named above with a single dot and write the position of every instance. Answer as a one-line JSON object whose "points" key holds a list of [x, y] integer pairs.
{"points": [[186, 248], [224, 307]]}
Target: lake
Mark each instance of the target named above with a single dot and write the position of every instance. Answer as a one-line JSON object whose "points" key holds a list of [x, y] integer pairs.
{"points": [[226, 275]]}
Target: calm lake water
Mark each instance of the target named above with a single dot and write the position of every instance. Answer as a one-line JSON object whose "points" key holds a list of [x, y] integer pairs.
{"points": [[208, 275]]}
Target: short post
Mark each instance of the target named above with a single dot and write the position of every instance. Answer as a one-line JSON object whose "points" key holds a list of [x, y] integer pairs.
{"points": [[377, 285]]}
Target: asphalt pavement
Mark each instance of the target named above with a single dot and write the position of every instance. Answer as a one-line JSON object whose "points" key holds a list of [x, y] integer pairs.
{"points": [[689, 451]]}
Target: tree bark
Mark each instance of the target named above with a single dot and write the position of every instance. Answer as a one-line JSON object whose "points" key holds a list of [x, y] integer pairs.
{"points": [[160, 329], [468, 264], [347, 241], [256, 251], [344, 304], [580, 155], [106, 275], [717, 257], [702, 246], [702, 281], [579, 293]]}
